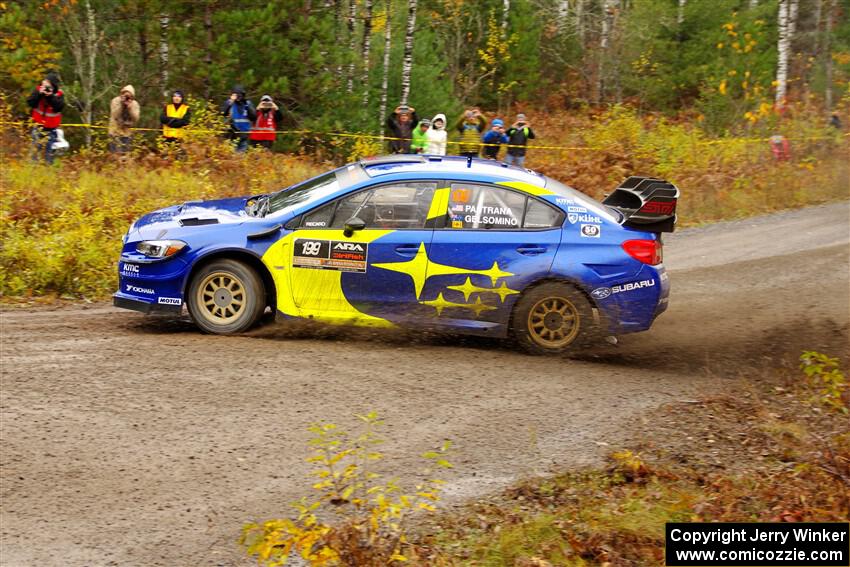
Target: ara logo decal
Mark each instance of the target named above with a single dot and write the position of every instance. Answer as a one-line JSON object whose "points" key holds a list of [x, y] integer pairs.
{"points": [[576, 217], [591, 230], [601, 293], [350, 246], [139, 289]]}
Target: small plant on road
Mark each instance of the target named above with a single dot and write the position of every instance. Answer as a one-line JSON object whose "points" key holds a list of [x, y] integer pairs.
{"points": [[827, 379], [359, 517]]}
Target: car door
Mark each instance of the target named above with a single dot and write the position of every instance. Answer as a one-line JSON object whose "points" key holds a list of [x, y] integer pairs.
{"points": [[369, 276], [495, 241]]}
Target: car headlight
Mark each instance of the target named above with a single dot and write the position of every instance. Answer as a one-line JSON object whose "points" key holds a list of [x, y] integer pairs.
{"points": [[160, 248]]}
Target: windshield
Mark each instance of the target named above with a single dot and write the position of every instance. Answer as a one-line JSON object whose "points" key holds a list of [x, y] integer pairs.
{"points": [[307, 192]]}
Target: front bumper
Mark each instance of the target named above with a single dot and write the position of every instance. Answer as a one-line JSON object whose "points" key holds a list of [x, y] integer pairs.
{"points": [[124, 302]]}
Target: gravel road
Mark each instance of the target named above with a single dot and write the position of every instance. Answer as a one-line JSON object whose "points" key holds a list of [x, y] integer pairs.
{"points": [[129, 440]]}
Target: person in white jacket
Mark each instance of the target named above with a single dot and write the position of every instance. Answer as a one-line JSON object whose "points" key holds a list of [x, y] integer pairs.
{"points": [[436, 136]]}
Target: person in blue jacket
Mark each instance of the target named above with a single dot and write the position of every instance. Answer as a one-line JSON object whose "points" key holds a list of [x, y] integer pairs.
{"points": [[241, 114], [494, 138]]}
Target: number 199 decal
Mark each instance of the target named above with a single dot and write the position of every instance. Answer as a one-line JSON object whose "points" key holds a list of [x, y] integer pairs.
{"points": [[330, 255]]}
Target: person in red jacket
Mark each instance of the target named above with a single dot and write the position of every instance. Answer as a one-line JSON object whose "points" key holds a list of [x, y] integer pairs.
{"points": [[46, 102], [266, 124]]}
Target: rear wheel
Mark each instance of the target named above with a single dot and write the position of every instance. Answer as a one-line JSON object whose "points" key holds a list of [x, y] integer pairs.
{"points": [[225, 297], [552, 318]]}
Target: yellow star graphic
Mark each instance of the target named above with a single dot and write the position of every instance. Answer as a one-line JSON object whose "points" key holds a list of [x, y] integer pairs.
{"points": [[441, 303], [419, 268], [468, 288], [503, 291]]}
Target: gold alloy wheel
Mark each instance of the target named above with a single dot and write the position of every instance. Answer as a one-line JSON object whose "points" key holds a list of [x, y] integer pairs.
{"points": [[221, 297], [553, 322]]}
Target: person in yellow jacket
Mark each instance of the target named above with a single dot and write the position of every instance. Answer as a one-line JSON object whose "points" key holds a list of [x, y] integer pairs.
{"points": [[174, 118], [470, 126]]}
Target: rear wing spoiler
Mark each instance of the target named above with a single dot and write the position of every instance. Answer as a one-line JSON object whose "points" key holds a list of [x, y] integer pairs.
{"points": [[646, 203]]}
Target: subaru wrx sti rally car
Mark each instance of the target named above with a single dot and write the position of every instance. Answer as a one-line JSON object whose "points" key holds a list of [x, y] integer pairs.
{"points": [[439, 243]]}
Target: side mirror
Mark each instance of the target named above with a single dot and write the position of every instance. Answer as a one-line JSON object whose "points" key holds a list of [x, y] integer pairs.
{"points": [[352, 224]]}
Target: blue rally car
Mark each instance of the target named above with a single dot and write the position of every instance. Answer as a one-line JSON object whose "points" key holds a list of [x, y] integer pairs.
{"points": [[439, 243]]}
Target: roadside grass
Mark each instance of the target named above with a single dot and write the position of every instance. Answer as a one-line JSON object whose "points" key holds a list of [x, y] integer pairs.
{"points": [[772, 451], [61, 226]]}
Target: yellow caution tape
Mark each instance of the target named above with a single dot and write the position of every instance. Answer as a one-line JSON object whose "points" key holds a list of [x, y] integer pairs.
{"points": [[451, 142]]}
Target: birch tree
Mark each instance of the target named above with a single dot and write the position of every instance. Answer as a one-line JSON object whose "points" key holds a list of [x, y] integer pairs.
{"points": [[352, 41], [84, 41], [407, 62], [366, 47], [786, 22], [388, 28], [680, 16], [163, 53]]}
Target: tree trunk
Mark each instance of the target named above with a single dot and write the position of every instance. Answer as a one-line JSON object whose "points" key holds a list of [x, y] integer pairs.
{"points": [[388, 27], [580, 21], [163, 53], [367, 45], [506, 12], [786, 22], [604, 34], [407, 63], [91, 43], [680, 17], [754, 3], [143, 38], [827, 37], [352, 42], [208, 58]]}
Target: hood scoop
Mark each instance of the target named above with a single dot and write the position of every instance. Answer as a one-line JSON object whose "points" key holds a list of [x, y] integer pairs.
{"points": [[197, 222]]}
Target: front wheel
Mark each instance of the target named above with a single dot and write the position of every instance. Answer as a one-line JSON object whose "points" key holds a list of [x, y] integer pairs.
{"points": [[226, 297], [552, 318]]}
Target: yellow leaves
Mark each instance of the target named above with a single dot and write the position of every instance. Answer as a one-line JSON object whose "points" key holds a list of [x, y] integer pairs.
{"points": [[426, 506], [722, 87], [720, 45]]}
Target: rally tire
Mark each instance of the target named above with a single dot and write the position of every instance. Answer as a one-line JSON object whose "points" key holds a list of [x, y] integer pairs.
{"points": [[552, 318], [226, 297]]}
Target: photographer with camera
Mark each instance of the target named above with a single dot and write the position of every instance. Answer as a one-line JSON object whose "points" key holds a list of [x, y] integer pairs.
{"points": [[470, 126], [46, 102], [400, 125], [518, 136], [123, 115]]}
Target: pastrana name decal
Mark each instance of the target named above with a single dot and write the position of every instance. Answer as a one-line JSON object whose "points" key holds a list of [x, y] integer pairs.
{"points": [[330, 255]]}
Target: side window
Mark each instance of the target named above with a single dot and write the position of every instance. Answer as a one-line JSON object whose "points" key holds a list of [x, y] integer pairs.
{"points": [[399, 205], [473, 206], [541, 215], [319, 218]]}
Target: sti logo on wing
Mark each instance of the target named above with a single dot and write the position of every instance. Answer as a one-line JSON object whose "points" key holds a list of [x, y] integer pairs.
{"points": [[659, 207], [349, 246]]}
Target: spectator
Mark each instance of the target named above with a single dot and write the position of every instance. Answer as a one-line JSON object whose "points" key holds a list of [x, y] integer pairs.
{"points": [[835, 121], [494, 138], [268, 118], [174, 118], [518, 136], [420, 137], [471, 125], [436, 136], [400, 126], [123, 115], [241, 115], [46, 102]]}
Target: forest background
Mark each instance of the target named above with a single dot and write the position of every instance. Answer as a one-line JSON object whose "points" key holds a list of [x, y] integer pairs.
{"points": [[689, 90]]}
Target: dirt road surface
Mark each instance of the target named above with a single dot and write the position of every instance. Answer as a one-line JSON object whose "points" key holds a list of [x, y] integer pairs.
{"points": [[129, 440]]}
